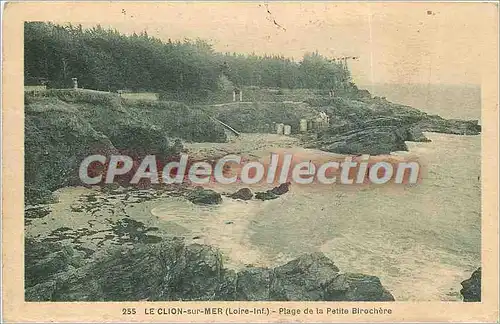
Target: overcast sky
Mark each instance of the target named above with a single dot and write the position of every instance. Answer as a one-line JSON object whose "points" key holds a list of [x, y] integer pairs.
{"points": [[396, 43]]}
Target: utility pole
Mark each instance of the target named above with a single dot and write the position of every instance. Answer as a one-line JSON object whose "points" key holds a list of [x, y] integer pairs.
{"points": [[343, 60], [343, 63]]}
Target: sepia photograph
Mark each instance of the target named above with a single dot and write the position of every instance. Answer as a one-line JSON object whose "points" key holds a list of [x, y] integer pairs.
{"points": [[255, 151]]}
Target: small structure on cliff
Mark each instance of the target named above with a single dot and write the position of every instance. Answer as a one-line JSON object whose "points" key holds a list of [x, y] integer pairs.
{"points": [[237, 92], [280, 128], [321, 121]]}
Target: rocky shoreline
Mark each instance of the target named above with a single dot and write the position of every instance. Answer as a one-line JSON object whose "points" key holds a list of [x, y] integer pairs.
{"points": [[112, 255], [471, 288], [171, 270], [119, 258], [376, 126]]}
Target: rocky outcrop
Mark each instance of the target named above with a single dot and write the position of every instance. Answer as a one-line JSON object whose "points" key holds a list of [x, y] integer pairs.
{"points": [[254, 284], [471, 288], [170, 270], [434, 123], [377, 136], [65, 126], [243, 194], [414, 134], [44, 260], [55, 143], [202, 196], [281, 189], [273, 193], [376, 126], [265, 195], [304, 278], [357, 287]]}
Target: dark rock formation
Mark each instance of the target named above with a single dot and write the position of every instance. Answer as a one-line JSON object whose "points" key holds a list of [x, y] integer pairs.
{"points": [[304, 278], [43, 261], [265, 195], [376, 136], [273, 193], [55, 143], [376, 126], [253, 284], [202, 196], [281, 189], [357, 287], [471, 290], [415, 134], [434, 123], [165, 271], [373, 141], [173, 271], [243, 194]]}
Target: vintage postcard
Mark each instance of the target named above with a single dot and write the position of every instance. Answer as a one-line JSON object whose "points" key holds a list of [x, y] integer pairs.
{"points": [[250, 162]]}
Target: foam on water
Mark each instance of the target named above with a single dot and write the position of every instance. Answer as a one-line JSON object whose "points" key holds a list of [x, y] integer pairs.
{"points": [[422, 241]]}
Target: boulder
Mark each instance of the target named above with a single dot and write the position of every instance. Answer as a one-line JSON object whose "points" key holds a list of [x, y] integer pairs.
{"points": [[202, 196], [267, 195], [273, 193], [371, 135], [198, 274], [281, 189], [471, 288], [243, 194], [357, 287], [253, 284], [304, 278]]}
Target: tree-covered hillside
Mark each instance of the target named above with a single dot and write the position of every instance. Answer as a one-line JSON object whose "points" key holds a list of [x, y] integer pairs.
{"points": [[104, 59]]}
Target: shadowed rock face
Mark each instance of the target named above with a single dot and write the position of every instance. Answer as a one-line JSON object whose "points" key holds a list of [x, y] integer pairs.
{"points": [[173, 271], [42, 261], [471, 290]]}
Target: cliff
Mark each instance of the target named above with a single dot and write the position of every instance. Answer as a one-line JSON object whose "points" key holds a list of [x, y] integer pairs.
{"points": [[64, 126]]}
